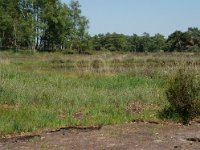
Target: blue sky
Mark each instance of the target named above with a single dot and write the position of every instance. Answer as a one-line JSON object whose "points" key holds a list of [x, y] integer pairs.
{"points": [[139, 16]]}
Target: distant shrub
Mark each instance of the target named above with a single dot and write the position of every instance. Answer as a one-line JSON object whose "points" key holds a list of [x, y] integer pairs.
{"points": [[97, 64], [82, 66], [69, 52], [86, 52], [183, 94], [58, 60]]}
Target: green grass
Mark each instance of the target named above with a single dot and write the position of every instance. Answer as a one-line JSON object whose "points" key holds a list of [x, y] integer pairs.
{"points": [[50, 91], [30, 100]]}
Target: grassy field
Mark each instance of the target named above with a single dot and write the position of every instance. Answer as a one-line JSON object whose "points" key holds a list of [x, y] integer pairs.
{"points": [[50, 90]]}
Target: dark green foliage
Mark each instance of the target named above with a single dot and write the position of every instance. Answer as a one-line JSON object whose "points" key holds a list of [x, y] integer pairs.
{"points": [[183, 94], [177, 41], [184, 41], [169, 113], [111, 42], [134, 43], [43, 25], [68, 51], [78, 35]]}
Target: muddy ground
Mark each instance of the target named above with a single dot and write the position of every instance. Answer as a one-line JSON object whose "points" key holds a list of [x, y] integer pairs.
{"points": [[132, 136]]}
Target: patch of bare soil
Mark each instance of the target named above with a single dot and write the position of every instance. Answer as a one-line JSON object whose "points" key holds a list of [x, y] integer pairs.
{"points": [[133, 136]]}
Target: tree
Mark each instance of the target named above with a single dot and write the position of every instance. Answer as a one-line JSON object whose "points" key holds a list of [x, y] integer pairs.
{"points": [[157, 43], [134, 43], [143, 42], [54, 22], [42, 25], [9, 23], [78, 37], [194, 34], [194, 39], [175, 40]]}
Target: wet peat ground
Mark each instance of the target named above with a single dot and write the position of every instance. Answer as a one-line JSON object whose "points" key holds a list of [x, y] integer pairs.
{"points": [[133, 136]]}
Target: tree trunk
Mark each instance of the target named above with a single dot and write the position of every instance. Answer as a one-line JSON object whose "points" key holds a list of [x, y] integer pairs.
{"points": [[33, 29], [15, 36], [37, 30]]}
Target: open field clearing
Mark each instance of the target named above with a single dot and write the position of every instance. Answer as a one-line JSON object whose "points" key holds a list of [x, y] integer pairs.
{"points": [[53, 90]]}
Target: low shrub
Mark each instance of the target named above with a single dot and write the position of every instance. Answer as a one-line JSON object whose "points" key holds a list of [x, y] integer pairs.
{"points": [[183, 94]]}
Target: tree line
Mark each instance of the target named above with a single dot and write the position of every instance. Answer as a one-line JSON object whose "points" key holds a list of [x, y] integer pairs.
{"points": [[51, 25], [177, 41]]}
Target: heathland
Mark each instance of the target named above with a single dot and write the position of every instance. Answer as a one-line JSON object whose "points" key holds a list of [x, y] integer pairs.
{"points": [[52, 90]]}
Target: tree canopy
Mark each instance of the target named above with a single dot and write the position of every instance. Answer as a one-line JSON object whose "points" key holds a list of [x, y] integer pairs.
{"points": [[51, 25], [177, 41], [42, 24]]}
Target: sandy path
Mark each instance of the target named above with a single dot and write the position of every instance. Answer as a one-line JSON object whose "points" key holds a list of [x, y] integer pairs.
{"points": [[134, 136]]}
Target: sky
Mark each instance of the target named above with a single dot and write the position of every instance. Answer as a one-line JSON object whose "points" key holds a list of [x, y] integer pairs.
{"points": [[139, 16]]}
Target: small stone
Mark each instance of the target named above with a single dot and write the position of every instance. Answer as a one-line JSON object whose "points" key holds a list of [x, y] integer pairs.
{"points": [[177, 146], [158, 141]]}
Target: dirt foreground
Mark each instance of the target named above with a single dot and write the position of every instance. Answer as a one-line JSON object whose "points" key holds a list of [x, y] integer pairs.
{"points": [[133, 136]]}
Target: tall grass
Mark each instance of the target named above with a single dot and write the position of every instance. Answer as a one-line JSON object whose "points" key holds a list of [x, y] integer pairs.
{"points": [[53, 90]]}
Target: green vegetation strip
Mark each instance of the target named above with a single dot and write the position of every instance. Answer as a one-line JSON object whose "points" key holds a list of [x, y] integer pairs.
{"points": [[30, 100]]}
